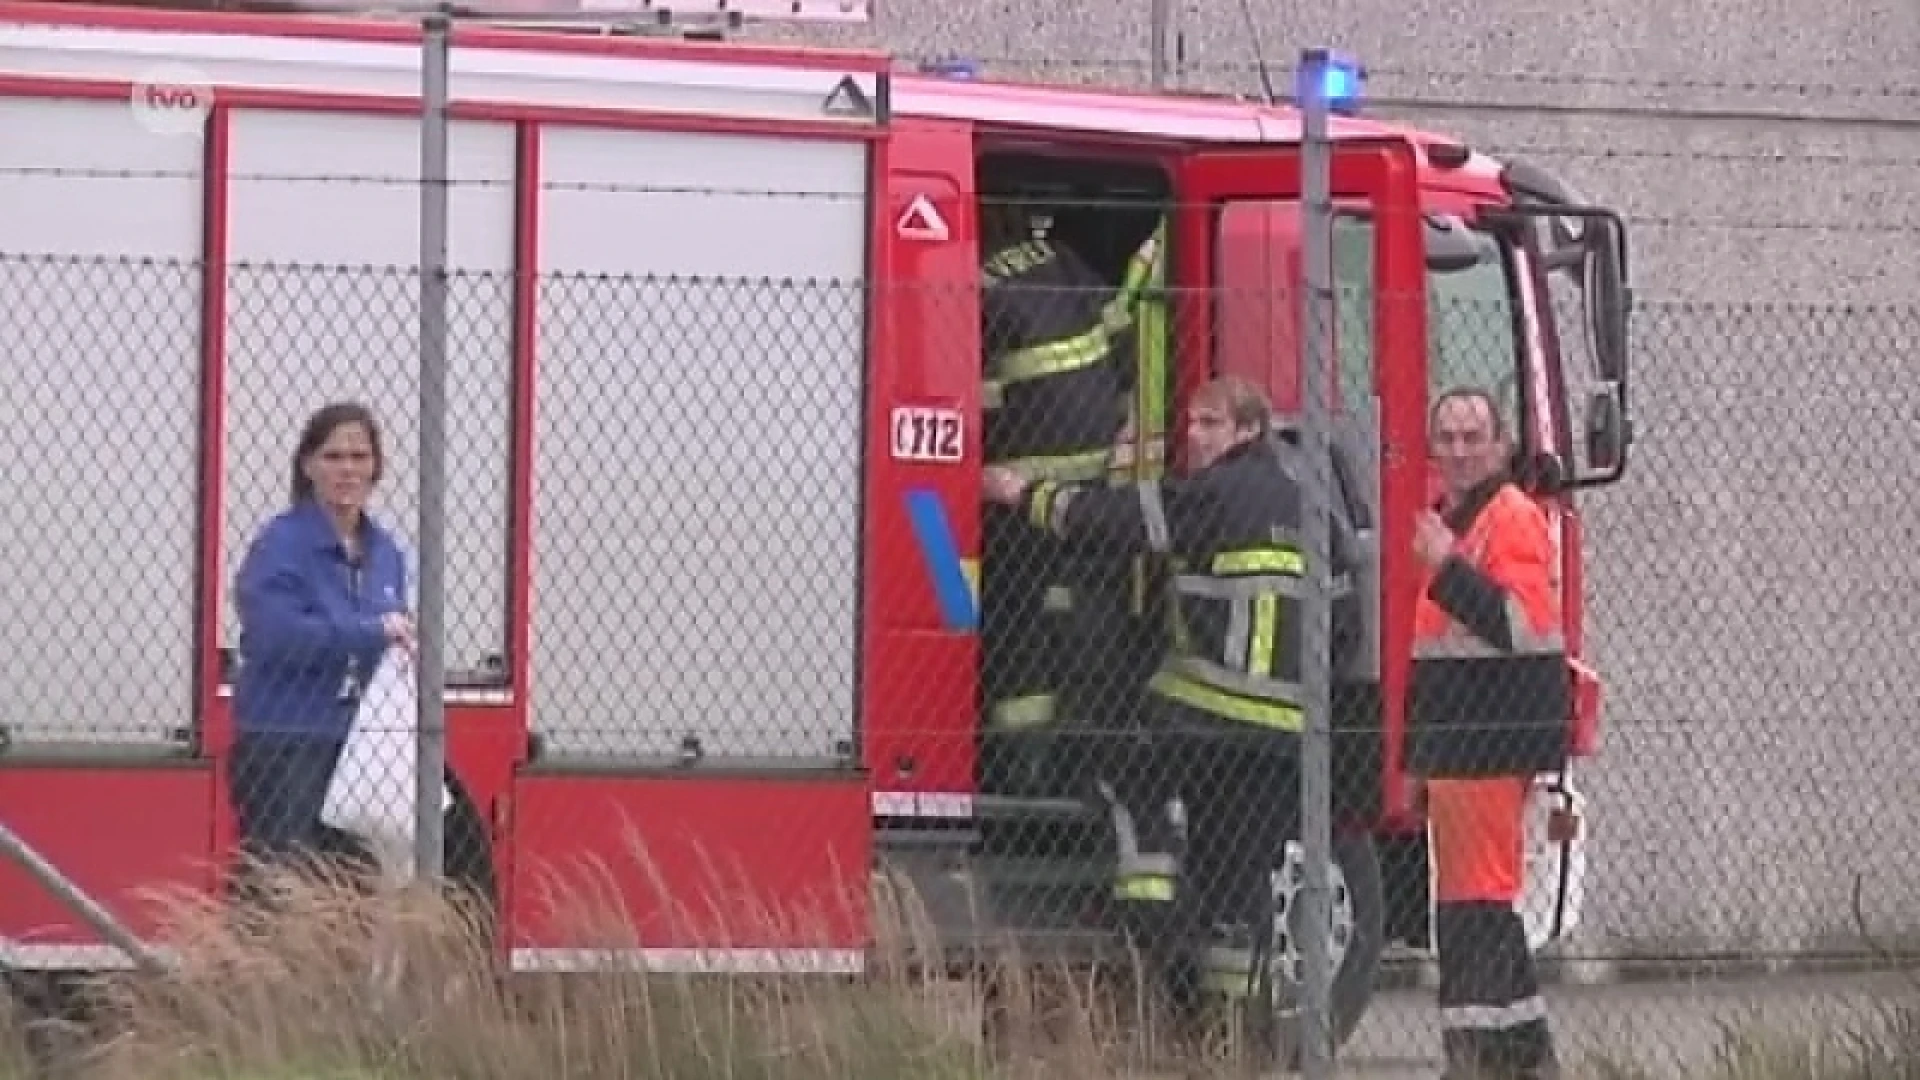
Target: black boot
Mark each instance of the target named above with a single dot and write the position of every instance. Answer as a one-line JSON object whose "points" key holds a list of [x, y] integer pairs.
{"points": [[1465, 1061], [1530, 1052]]}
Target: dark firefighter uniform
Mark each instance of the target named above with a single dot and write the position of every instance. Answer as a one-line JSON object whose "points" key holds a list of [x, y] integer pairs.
{"points": [[1053, 383], [1224, 705], [1490, 700]]}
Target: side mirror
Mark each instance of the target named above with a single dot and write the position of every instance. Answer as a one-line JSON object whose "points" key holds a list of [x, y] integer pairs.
{"points": [[1606, 436], [1608, 298]]}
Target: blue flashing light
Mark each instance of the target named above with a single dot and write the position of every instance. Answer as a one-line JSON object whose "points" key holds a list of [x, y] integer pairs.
{"points": [[951, 68], [1326, 76]]}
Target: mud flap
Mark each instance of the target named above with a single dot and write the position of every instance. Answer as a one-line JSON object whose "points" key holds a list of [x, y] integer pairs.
{"points": [[1553, 887]]}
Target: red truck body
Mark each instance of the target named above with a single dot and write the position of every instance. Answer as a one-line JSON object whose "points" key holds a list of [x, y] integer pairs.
{"points": [[799, 835]]}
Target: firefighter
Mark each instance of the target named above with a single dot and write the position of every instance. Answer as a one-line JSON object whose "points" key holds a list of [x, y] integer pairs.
{"points": [[1489, 706], [1209, 793], [1052, 380]]}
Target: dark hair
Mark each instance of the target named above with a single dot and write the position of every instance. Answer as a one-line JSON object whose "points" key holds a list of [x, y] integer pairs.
{"points": [[319, 428], [1472, 393]]}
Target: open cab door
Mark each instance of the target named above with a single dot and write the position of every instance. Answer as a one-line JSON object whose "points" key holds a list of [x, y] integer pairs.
{"points": [[1237, 291], [1239, 285]]}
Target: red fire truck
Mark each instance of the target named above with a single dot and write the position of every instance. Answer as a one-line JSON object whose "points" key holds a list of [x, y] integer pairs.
{"points": [[713, 474]]}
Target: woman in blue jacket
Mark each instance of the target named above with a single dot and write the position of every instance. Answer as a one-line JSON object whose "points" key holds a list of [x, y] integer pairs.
{"points": [[322, 596]]}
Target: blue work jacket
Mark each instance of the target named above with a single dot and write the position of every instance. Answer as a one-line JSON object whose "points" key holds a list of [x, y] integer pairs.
{"points": [[310, 622]]}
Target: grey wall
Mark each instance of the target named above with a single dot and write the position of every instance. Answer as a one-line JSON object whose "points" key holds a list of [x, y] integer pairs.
{"points": [[1750, 579]]}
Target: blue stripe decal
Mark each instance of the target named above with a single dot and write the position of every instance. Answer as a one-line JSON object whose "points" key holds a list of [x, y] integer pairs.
{"points": [[942, 556]]}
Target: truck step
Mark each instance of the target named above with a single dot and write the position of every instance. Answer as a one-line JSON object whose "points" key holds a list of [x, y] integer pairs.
{"points": [[1044, 908]]}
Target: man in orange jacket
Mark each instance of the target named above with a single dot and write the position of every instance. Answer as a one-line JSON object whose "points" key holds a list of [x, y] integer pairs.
{"points": [[1490, 701]]}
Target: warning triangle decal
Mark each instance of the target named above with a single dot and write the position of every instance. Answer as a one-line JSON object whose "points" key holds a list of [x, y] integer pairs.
{"points": [[847, 99], [921, 221]]}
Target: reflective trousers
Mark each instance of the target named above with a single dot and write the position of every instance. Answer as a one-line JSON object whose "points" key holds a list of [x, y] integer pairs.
{"points": [[1202, 815], [1064, 661], [1493, 1018]]}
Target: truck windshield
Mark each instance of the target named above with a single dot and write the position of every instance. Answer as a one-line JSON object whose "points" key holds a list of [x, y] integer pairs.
{"points": [[1470, 320]]}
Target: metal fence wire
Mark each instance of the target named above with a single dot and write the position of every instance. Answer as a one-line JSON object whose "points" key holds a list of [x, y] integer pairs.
{"points": [[694, 516]]}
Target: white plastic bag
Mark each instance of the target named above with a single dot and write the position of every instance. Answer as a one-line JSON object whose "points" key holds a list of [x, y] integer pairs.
{"points": [[1555, 889], [371, 792]]}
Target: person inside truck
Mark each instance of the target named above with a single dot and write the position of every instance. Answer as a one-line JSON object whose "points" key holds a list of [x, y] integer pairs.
{"points": [[1052, 380], [321, 595], [1224, 712]]}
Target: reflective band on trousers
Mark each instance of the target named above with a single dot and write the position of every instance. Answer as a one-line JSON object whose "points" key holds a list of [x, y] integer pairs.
{"points": [[1044, 361], [1016, 714], [1228, 971], [1138, 875], [1494, 1017], [1460, 644]]}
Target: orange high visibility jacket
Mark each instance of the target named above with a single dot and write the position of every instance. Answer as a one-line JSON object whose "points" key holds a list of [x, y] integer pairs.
{"points": [[1491, 689]]}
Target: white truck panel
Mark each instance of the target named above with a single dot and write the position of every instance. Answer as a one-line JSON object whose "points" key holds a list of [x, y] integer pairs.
{"points": [[697, 489], [526, 77], [100, 229], [323, 304]]}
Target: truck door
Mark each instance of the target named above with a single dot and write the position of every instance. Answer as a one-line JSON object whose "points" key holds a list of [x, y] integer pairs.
{"points": [[1239, 284]]}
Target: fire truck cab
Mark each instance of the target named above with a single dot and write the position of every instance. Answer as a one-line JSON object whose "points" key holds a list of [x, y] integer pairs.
{"points": [[1450, 269], [713, 468]]}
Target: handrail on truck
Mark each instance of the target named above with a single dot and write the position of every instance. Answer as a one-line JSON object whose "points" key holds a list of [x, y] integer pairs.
{"points": [[70, 894]]}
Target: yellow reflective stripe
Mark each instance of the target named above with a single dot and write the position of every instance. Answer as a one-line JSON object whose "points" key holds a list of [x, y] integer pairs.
{"points": [[1265, 561], [1061, 468], [970, 569], [1016, 260], [1227, 972], [1021, 713], [1232, 680], [1266, 632], [1142, 456], [1155, 888], [1040, 506], [1208, 699], [1053, 358], [1143, 268], [1247, 587]]}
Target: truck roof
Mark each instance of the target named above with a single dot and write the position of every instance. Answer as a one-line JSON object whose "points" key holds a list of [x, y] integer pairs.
{"points": [[335, 48]]}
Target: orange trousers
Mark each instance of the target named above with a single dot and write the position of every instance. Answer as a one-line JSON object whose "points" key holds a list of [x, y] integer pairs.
{"points": [[1478, 846]]}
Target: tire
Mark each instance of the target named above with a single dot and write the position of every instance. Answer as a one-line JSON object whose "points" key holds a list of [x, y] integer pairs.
{"points": [[1358, 868]]}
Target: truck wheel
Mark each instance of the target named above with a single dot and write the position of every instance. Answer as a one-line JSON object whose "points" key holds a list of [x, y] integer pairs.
{"points": [[1359, 938]]}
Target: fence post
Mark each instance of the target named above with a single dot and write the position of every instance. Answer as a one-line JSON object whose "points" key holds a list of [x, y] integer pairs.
{"points": [[1316, 751], [1161, 19], [429, 828]]}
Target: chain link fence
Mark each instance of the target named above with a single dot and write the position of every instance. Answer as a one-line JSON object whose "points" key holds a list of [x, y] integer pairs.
{"points": [[692, 429]]}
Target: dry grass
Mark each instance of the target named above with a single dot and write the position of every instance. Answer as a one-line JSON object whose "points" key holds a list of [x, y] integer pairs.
{"points": [[1882, 1048], [313, 992], [310, 994]]}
